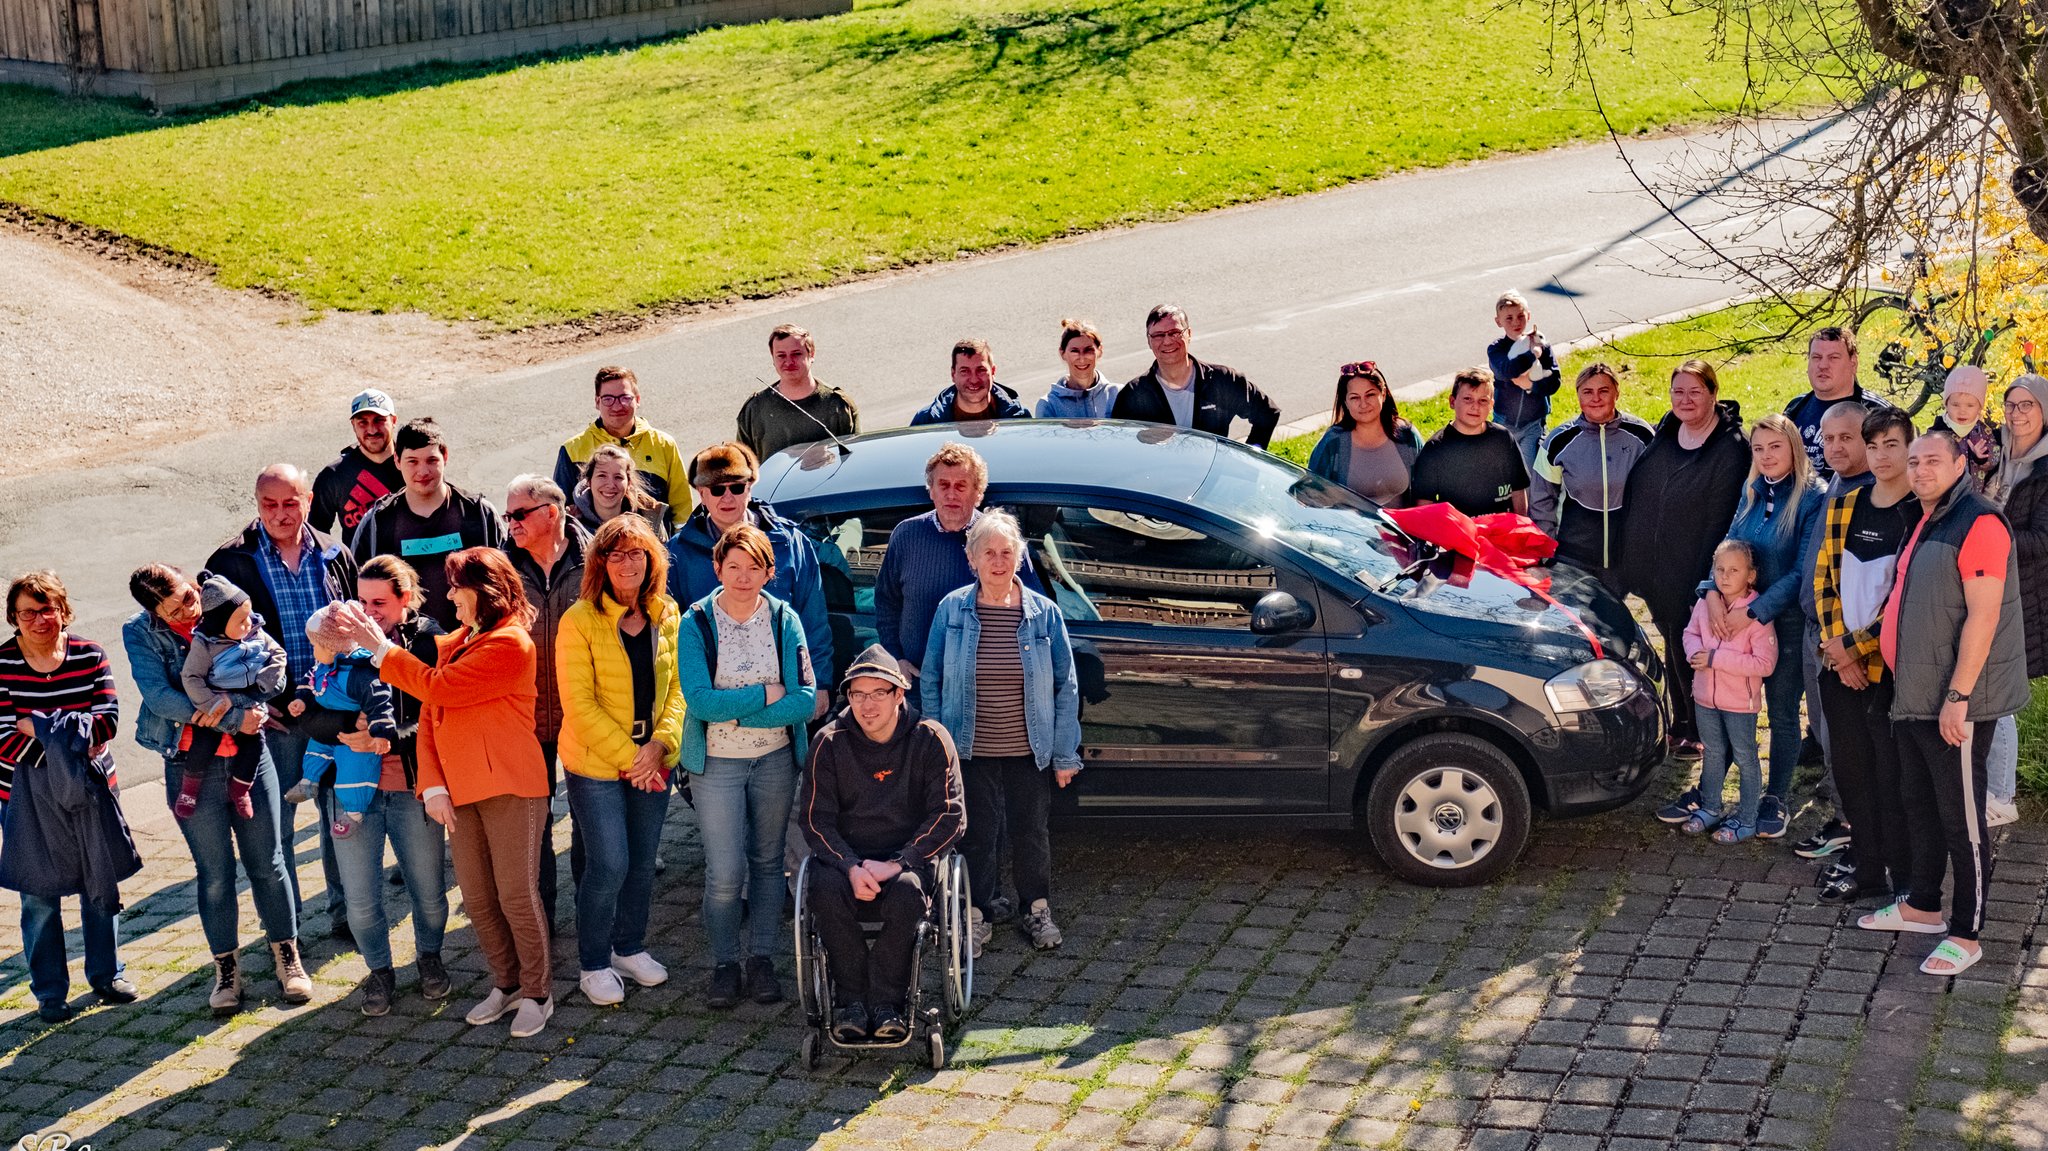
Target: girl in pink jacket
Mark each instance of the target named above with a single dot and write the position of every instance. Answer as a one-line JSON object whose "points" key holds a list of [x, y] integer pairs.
{"points": [[1728, 687]]}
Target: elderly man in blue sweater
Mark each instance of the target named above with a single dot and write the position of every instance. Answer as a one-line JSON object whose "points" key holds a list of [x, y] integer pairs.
{"points": [[927, 554]]}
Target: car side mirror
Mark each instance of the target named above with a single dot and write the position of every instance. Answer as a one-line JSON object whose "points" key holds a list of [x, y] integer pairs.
{"points": [[1278, 612]]}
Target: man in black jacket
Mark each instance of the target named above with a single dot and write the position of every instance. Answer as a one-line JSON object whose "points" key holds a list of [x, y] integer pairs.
{"points": [[1182, 391], [290, 571], [882, 804], [428, 519]]}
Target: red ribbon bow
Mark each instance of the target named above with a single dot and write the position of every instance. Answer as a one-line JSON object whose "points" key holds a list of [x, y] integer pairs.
{"points": [[1508, 545]]}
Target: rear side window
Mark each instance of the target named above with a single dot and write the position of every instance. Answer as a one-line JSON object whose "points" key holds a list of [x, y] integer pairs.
{"points": [[850, 546], [1118, 567]]}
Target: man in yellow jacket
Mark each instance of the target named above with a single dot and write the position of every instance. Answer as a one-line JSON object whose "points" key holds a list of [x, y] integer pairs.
{"points": [[660, 464]]}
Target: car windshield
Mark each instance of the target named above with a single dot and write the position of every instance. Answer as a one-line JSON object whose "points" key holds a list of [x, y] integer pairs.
{"points": [[1326, 521]]}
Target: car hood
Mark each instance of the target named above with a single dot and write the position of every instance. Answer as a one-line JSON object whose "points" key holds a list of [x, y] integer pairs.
{"points": [[1576, 614]]}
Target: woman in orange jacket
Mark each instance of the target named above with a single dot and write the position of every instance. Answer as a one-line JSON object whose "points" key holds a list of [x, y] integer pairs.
{"points": [[481, 774]]}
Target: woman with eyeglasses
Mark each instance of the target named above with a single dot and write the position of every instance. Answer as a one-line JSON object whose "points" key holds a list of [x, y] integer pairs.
{"points": [[622, 715], [748, 690], [1368, 448], [61, 831], [612, 487], [2020, 486]]}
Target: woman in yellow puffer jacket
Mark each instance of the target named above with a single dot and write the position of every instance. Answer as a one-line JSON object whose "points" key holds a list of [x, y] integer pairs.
{"points": [[622, 721]]}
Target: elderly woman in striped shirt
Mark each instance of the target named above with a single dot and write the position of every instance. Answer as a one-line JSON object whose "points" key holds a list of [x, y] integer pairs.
{"points": [[998, 672]]}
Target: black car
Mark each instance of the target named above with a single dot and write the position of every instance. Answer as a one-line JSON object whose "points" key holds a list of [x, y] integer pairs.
{"points": [[1253, 642]]}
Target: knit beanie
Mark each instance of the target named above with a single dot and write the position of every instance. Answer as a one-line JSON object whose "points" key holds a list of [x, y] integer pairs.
{"points": [[1968, 380], [324, 627], [218, 599]]}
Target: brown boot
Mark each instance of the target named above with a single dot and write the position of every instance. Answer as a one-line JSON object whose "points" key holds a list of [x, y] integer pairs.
{"points": [[291, 973], [227, 984]]}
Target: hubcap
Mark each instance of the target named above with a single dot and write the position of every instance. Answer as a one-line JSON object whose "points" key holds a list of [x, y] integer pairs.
{"points": [[1448, 818]]}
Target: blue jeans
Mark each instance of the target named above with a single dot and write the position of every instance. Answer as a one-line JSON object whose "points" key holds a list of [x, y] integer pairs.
{"points": [[1783, 689], [420, 845], [2003, 768], [1528, 438], [288, 753], [621, 827], [215, 835], [1726, 736], [742, 810], [42, 940]]}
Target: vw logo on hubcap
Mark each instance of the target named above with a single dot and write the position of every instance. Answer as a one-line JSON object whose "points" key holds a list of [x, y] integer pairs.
{"points": [[1449, 817]]}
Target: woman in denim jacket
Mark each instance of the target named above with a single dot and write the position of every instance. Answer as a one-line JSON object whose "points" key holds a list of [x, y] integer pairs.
{"points": [[157, 638], [1007, 694]]}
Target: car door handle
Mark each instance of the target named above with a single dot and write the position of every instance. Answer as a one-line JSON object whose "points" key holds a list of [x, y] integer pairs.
{"points": [[1350, 673]]}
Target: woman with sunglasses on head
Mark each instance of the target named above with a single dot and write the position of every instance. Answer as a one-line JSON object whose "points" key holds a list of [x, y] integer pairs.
{"points": [[1368, 448]]}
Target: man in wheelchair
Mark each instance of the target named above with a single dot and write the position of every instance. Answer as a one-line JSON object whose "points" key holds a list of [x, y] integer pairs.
{"points": [[881, 805]]}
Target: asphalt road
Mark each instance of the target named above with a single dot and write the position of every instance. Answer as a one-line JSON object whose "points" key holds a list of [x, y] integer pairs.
{"points": [[1402, 271]]}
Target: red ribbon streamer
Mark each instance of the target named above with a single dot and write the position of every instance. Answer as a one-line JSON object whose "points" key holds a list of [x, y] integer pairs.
{"points": [[1508, 545]]}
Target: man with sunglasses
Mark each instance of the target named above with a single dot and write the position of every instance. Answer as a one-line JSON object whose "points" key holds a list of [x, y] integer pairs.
{"points": [[546, 546], [656, 460], [722, 476], [1187, 393]]}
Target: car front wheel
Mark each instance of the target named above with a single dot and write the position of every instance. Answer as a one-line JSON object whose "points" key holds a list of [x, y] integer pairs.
{"points": [[1448, 810]]}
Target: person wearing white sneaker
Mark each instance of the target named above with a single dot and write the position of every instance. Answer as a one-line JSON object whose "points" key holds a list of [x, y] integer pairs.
{"points": [[480, 769], [622, 717], [2020, 488], [999, 674]]}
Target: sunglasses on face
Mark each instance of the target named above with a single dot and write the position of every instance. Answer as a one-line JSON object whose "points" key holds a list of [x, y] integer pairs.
{"points": [[519, 517], [735, 488]]}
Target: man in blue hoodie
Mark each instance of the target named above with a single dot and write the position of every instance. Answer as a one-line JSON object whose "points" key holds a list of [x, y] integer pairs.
{"points": [[974, 394]]}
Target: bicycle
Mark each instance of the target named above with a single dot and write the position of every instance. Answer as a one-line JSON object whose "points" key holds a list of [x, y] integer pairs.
{"points": [[1913, 352]]}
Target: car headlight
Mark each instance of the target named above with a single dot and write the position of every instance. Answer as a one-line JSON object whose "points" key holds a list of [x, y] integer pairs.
{"points": [[1594, 684]]}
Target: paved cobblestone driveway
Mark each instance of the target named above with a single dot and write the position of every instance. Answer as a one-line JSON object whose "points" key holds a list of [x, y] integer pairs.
{"points": [[1622, 990]]}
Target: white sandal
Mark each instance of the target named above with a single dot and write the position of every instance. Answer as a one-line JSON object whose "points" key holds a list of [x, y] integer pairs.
{"points": [[1888, 918], [1951, 953]]}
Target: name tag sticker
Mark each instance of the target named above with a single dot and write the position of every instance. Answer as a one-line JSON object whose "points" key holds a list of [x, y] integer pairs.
{"points": [[431, 545]]}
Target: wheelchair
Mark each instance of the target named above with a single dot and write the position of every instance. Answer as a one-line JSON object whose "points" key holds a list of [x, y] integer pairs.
{"points": [[942, 944]]}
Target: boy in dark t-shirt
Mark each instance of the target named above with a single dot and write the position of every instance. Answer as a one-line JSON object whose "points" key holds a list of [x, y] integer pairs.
{"points": [[1474, 464]]}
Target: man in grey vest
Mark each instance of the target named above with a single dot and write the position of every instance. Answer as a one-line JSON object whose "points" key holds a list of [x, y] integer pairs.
{"points": [[1951, 637]]}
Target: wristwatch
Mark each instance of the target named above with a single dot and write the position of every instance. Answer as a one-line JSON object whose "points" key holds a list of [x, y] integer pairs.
{"points": [[1955, 696]]}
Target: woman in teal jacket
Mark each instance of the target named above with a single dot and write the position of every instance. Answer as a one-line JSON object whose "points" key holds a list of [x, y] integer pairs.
{"points": [[748, 690], [999, 674]]}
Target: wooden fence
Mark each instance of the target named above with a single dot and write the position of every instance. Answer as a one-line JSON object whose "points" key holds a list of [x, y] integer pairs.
{"points": [[262, 43]]}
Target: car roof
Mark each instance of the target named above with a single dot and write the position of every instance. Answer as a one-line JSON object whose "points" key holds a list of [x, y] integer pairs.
{"points": [[1115, 455]]}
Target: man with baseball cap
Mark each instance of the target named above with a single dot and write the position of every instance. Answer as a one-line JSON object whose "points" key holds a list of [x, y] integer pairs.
{"points": [[366, 471], [882, 805]]}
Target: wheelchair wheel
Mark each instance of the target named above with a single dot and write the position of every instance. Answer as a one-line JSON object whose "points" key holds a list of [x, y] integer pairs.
{"points": [[954, 938], [938, 1051], [809, 1051], [807, 965]]}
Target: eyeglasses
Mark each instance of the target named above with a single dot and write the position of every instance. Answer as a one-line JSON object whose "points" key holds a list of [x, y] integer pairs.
{"points": [[625, 556], [1364, 368], [877, 696], [2020, 405], [39, 613], [519, 516], [617, 401], [734, 488], [1168, 334]]}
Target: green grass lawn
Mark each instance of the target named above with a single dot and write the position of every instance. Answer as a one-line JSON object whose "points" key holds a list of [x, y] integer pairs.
{"points": [[1759, 372], [752, 159]]}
